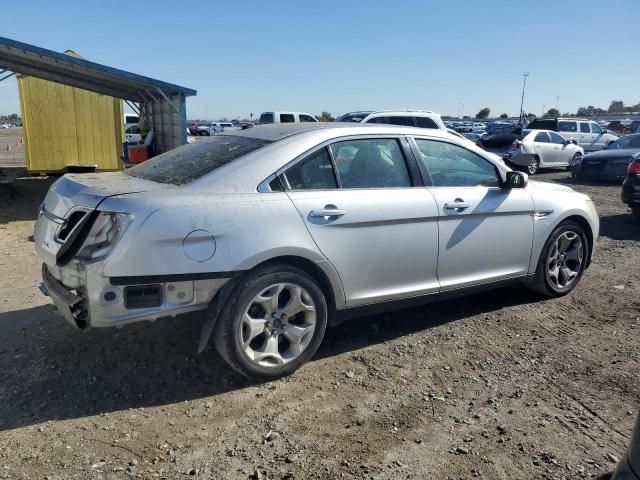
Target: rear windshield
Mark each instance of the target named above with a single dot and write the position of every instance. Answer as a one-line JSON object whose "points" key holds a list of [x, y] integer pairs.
{"points": [[190, 162]]}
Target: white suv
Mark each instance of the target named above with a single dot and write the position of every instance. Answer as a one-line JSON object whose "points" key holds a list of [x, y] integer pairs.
{"points": [[286, 117], [407, 118], [587, 133]]}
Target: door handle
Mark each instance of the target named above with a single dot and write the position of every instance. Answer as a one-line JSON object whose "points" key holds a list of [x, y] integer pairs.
{"points": [[327, 211], [457, 205]]}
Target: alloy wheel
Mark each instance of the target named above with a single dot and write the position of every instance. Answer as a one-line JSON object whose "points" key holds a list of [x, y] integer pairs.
{"points": [[278, 325], [564, 262], [532, 167]]}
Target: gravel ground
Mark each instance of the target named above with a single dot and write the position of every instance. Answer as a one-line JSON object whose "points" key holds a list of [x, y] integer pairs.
{"points": [[503, 385], [13, 156]]}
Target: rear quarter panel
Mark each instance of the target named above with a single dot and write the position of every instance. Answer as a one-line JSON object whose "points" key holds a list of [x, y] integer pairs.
{"points": [[248, 229]]}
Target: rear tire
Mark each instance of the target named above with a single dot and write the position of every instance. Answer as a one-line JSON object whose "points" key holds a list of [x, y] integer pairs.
{"points": [[533, 166], [272, 323], [562, 260]]}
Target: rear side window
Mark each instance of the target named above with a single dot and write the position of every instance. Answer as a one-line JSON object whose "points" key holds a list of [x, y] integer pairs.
{"points": [[542, 137], [555, 138], [287, 118], [426, 122], [266, 118], [190, 162], [313, 173], [584, 127], [564, 126], [307, 118], [370, 163]]}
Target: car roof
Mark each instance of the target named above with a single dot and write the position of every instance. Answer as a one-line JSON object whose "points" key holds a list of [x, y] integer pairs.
{"points": [[278, 131]]}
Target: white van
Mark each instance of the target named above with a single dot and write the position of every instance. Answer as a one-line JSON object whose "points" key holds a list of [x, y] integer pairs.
{"points": [[286, 117], [131, 119]]}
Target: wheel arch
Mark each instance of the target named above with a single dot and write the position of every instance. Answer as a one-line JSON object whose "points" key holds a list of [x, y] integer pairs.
{"points": [[586, 226], [322, 272]]}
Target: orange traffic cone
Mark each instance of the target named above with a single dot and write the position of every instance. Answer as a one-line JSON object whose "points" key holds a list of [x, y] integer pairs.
{"points": [[17, 142]]}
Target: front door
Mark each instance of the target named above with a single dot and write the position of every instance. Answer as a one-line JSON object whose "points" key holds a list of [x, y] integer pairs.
{"points": [[370, 217], [585, 137], [485, 232]]}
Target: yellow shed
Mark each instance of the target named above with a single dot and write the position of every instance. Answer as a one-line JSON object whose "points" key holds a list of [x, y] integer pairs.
{"points": [[66, 126]]}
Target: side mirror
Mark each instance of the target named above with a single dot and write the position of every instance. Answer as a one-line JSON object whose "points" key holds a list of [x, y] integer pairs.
{"points": [[516, 180]]}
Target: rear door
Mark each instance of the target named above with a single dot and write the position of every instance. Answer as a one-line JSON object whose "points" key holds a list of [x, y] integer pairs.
{"points": [[365, 207], [544, 149], [563, 151], [485, 232], [568, 129]]}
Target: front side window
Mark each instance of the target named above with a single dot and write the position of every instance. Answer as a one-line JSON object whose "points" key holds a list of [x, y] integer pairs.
{"points": [[307, 118], [595, 128], [287, 118], [542, 137], [555, 138], [312, 173], [584, 127], [564, 126], [370, 163], [453, 166], [190, 162]]}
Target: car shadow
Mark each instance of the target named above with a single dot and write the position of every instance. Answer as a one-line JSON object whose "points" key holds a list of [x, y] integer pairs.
{"points": [[50, 371], [620, 227], [19, 200], [593, 183]]}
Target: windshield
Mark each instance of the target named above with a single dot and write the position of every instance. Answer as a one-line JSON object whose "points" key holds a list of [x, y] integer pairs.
{"points": [[190, 162], [632, 141]]}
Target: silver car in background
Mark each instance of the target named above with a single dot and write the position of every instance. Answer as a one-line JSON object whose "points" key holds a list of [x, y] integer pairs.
{"points": [[279, 231], [543, 149]]}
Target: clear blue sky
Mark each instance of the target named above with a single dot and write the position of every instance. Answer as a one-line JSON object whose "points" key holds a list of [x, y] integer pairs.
{"points": [[251, 56]]}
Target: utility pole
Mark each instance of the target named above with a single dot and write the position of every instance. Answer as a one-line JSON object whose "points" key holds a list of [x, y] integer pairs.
{"points": [[543, 109], [557, 98], [524, 84]]}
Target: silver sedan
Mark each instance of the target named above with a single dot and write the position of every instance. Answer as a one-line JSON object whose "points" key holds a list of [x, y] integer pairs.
{"points": [[543, 149], [282, 230]]}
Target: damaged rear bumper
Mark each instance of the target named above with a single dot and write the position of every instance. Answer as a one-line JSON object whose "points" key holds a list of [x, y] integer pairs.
{"points": [[94, 301]]}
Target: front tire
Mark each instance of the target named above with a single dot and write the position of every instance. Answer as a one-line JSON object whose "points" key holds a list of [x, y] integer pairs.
{"points": [[574, 160], [273, 322], [562, 260]]}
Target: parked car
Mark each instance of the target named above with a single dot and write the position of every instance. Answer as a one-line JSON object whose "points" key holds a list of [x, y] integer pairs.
{"points": [[542, 149], [629, 467], [631, 187], [131, 119], [609, 164], [132, 134], [407, 118], [616, 126], [587, 133], [264, 229], [474, 137], [500, 143], [286, 117], [212, 128]]}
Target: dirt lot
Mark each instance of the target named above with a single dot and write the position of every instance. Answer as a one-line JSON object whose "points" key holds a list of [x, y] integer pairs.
{"points": [[504, 385], [14, 155]]}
